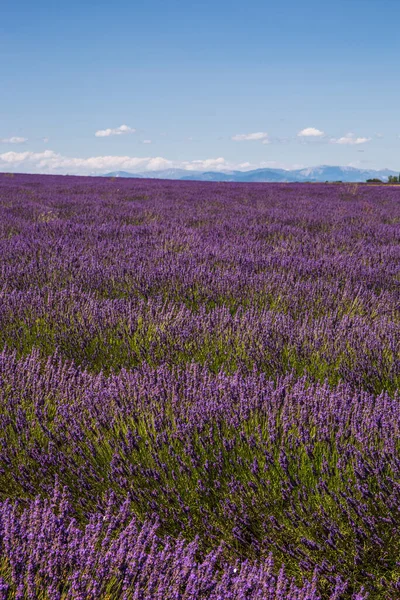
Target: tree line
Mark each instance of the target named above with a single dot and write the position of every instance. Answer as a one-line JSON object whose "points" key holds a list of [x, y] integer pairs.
{"points": [[391, 179]]}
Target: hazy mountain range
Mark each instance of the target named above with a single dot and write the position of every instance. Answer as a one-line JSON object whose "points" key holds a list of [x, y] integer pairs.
{"points": [[314, 174]]}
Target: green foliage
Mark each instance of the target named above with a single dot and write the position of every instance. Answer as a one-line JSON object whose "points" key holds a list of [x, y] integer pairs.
{"points": [[393, 179]]}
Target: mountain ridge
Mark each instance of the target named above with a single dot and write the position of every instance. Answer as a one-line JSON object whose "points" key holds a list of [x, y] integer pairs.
{"points": [[319, 173]]}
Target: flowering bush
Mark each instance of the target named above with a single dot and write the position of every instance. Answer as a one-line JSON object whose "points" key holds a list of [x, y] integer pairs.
{"points": [[198, 390]]}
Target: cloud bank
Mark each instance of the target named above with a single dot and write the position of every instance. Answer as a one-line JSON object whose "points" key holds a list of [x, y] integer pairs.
{"points": [[350, 139], [52, 162], [13, 140], [121, 130], [250, 137], [310, 132]]}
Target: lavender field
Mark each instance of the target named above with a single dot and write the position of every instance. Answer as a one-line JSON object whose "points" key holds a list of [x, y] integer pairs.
{"points": [[198, 390]]}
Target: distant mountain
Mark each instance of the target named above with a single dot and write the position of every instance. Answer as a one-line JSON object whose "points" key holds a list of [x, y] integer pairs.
{"points": [[260, 175], [312, 174], [210, 176], [348, 174]]}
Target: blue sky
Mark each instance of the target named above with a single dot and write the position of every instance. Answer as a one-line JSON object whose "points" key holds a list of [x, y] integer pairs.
{"points": [[207, 85]]}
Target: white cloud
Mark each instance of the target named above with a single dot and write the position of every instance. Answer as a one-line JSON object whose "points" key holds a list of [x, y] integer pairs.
{"points": [[52, 162], [45, 140], [274, 164], [18, 158], [245, 137], [49, 161], [215, 164], [350, 140], [146, 141], [14, 140], [121, 130], [310, 132]]}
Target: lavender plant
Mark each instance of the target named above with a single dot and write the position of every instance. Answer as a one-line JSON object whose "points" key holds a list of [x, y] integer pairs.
{"points": [[198, 390]]}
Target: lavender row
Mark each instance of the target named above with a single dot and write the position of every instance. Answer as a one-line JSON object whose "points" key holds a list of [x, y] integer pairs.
{"points": [[207, 242], [105, 335], [307, 473], [277, 278], [210, 374], [46, 555]]}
